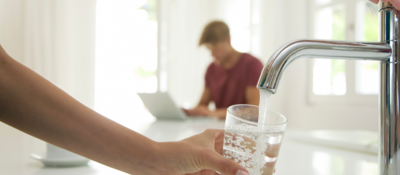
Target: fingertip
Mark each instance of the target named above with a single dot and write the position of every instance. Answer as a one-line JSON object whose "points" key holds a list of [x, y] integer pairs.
{"points": [[374, 1], [396, 4], [223, 165], [241, 172]]}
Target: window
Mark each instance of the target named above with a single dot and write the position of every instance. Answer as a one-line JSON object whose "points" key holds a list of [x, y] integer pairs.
{"points": [[238, 19], [329, 76], [367, 72], [350, 20], [126, 58]]}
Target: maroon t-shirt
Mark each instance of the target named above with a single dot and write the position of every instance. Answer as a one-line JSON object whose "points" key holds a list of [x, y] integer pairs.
{"points": [[228, 86]]}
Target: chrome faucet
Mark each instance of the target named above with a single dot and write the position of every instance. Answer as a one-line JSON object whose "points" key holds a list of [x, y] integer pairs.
{"points": [[387, 51]]}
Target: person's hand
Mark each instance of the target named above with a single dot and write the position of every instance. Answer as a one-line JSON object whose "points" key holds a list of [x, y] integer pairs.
{"points": [[395, 3], [198, 111], [197, 155], [219, 114]]}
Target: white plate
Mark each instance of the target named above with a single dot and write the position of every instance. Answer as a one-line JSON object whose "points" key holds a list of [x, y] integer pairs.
{"points": [[60, 162]]}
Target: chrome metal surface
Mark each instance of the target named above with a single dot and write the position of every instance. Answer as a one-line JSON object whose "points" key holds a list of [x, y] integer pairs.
{"points": [[389, 119], [387, 51], [389, 94], [275, 66]]}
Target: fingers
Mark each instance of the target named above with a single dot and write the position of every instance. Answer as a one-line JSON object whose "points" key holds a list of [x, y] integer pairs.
{"points": [[223, 165], [218, 136], [187, 112], [196, 112], [3, 53], [213, 160], [396, 4]]}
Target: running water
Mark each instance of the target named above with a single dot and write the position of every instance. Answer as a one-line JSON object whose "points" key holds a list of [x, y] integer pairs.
{"points": [[256, 151], [254, 147], [261, 146], [263, 106]]}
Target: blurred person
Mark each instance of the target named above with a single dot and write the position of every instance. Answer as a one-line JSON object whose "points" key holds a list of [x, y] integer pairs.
{"points": [[32, 104], [232, 76]]}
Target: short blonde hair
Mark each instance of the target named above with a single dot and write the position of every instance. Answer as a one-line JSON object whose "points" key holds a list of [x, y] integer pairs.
{"points": [[214, 32]]}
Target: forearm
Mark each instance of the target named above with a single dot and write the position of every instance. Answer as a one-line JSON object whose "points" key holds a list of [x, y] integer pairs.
{"points": [[33, 105]]}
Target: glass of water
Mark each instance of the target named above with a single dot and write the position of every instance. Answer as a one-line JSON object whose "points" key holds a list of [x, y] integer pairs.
{"points": [[253, 145]]}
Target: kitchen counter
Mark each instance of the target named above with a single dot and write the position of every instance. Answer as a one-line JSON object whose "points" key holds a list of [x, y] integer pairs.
{"points": [[295, 157]]}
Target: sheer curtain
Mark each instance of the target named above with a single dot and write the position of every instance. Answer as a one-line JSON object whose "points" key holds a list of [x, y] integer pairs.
{"points": [[55, 39]]}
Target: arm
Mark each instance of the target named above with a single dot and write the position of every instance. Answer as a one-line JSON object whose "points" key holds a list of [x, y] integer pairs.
{"points": [[33, 105]]}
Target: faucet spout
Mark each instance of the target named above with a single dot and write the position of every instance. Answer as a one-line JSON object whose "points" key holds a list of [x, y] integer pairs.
{"points": [[387, 51], [272, 72]]}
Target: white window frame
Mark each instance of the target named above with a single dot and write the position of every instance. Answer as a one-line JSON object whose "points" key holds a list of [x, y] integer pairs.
{"points": [[351, 97]]}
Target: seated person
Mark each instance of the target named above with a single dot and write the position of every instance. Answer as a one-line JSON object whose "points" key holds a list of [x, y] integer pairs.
{"points": [[232, 76]]}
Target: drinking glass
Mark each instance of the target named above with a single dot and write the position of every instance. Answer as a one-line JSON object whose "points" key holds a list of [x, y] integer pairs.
{"points": [[253, 145]]}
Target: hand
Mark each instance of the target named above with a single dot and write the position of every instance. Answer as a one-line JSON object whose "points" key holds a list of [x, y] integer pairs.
{"points": [[197, 155], [219, 114], [395, 3], [198, 111]]}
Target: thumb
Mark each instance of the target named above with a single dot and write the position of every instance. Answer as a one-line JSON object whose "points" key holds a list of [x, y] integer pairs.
{"points": [[223, 165]]}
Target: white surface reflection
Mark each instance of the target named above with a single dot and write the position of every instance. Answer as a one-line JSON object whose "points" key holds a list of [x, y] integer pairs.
{"points": [[298, 157], [321, 162], [92, 168], [368, 168], [325, 163]]}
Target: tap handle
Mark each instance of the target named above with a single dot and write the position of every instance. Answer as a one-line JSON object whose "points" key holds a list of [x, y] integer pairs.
{"points": [[385, 5]]}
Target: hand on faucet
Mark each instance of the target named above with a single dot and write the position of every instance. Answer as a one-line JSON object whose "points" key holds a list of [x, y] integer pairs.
{"points": [[395, 3]]}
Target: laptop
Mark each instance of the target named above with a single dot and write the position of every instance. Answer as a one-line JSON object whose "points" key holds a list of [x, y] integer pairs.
{"points": [[161, 106]]}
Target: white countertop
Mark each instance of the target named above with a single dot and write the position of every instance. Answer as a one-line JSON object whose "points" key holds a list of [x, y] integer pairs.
{"points": [[295, 157]]}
